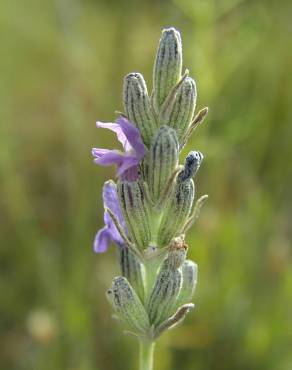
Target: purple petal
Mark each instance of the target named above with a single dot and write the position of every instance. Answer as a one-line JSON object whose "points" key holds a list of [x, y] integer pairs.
{"points": [[111, 201], [115, 127], [127, 163], [112, 230], [109, 232], [133, 135], [106, 157], [102, 240]]}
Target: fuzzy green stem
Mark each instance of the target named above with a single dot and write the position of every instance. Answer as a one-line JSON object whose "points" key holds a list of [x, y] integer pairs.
{"points": [[151, 267], [146, 350]]}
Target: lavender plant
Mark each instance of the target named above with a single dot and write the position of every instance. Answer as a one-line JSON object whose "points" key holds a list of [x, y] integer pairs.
{"points": [[152, 204]]}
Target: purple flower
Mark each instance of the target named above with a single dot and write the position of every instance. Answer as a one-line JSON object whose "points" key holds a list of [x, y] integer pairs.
{"points": [[109, 232], [127, 162]]}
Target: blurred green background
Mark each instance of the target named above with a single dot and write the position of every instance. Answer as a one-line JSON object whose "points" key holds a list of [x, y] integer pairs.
{"points": [[61, 69]]}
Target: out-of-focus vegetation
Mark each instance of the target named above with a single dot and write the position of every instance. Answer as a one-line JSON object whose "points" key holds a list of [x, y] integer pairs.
{"points": [[61, 69]]}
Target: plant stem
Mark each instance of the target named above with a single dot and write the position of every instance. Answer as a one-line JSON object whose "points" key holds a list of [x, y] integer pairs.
{"points": [[146, 350]]}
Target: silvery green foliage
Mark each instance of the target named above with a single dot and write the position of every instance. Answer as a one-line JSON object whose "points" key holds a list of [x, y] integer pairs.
{"points": [[137, 106], [164, 294], [163, 159], [189, 273], [128, 306], [168, 66], [177, 210], [136, 211], [158, 282], [180, 110]]}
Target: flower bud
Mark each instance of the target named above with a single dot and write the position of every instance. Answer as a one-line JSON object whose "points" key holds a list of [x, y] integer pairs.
{"points": [[136, 212], [137, 106], [179, 113], [132, 269], [128, 306], [190, 273], [162, 301], [163, 160], [192, 164], [168, 65], [177, 211]]}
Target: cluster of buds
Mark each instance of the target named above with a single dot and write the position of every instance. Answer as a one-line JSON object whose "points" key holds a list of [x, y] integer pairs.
{"points": [[152, 204]]}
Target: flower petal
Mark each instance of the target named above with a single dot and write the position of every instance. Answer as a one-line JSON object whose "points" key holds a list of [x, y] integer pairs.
{"points": [[128, 162], [102, 240], [112, 230], [106, 157], [111, 201], [115, 127], [133, 135]]}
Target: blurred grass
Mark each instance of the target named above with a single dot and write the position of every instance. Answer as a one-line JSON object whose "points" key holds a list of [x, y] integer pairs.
{"points": [[61, 69]]}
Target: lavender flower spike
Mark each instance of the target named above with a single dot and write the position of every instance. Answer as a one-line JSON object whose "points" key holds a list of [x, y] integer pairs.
{"points": [[109, 232], [149, 209], [134, 150]]}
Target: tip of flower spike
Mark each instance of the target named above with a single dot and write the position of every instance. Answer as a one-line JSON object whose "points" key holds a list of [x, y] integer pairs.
{"points": [[136, 75], [170, 32]]}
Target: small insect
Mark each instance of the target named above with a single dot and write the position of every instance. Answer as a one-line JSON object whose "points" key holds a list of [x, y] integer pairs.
{"points": [[178, 243]]}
